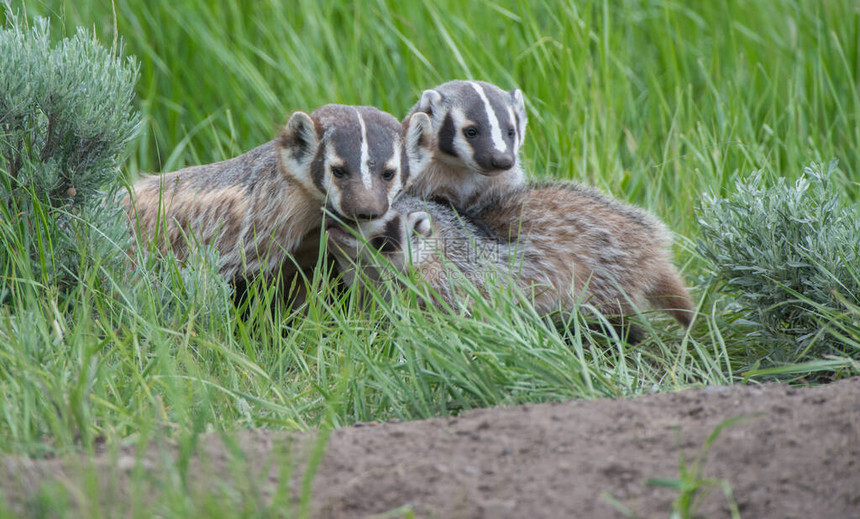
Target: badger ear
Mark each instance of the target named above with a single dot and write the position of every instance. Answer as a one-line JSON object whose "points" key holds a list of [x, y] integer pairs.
{"points": [[430, 102], [420, 223], [298, 145], [520, 113], [419, 146]]}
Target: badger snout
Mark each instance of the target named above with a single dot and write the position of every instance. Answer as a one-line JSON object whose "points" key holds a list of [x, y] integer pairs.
{"points": [[370, 215], [502, 161], [496, 163], [364, 208]]}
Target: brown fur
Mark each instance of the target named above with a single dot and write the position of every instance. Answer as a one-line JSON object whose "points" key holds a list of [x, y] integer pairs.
{"points": [[246, 207], [571, 241], [576, 236], [260, 210], [574, 245]]}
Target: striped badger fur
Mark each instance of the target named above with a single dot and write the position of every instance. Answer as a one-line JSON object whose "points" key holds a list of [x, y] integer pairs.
{"points": [[479, 129], [588, 240], [575, 244], [262, 207], [567, 235]]}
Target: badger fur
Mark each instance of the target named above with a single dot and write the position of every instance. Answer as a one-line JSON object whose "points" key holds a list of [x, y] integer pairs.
{"points": [[567, 240], [478, 129], [258, 208], [574, 245]]}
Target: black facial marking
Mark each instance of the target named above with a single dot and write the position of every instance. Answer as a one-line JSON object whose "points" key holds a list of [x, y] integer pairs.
{"points": [[347, 145], [446, 136], [516, 120], [318, 168], [391, 238], [380, 146], [483, 148], [378, 243]]}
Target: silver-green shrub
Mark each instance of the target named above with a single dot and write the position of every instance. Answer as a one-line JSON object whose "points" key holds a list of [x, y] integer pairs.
{"points": [[790, 254], [65, 111], [66, 116]]}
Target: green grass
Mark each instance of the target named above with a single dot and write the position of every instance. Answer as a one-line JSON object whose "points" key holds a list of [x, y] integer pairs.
{"points": [[656, 102]]}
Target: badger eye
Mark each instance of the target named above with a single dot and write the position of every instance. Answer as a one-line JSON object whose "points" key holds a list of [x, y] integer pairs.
{"points": [[511, 132], [470, 132], [388, 174], [339, 172]]}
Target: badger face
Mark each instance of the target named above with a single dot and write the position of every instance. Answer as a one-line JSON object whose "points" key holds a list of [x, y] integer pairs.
{"points": [[356, 159], [394, 242], [476, 124]]}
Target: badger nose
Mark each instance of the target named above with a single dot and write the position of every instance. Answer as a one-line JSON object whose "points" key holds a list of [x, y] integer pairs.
{"points": [[371, 211], [370, 215], [502, 161], [363, 205]]}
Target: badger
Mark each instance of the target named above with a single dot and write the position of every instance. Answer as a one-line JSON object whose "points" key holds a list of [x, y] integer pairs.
{"points": [[478, 129], [262, 210], [442, 248], [575, 245], [572, 240]]}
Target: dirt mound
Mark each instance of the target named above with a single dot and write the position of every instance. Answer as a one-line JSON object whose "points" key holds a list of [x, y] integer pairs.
{"points": [[796, 454]]}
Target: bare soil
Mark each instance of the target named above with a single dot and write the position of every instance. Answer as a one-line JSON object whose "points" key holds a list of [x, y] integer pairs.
{"points": [[795, 455]]}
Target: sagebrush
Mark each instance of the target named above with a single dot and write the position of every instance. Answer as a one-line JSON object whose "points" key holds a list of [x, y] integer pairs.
{"points": [[66, 116], [790, 253]]}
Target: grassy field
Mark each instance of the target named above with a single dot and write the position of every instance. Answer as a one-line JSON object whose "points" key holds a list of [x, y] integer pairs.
{"points": [[655, 102]]}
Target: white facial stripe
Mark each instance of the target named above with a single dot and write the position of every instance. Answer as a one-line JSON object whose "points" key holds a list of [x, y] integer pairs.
{"points": [[329, 184], [461, 145], [394, 163], [365, 154], [512, 121], [495, 128]]}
